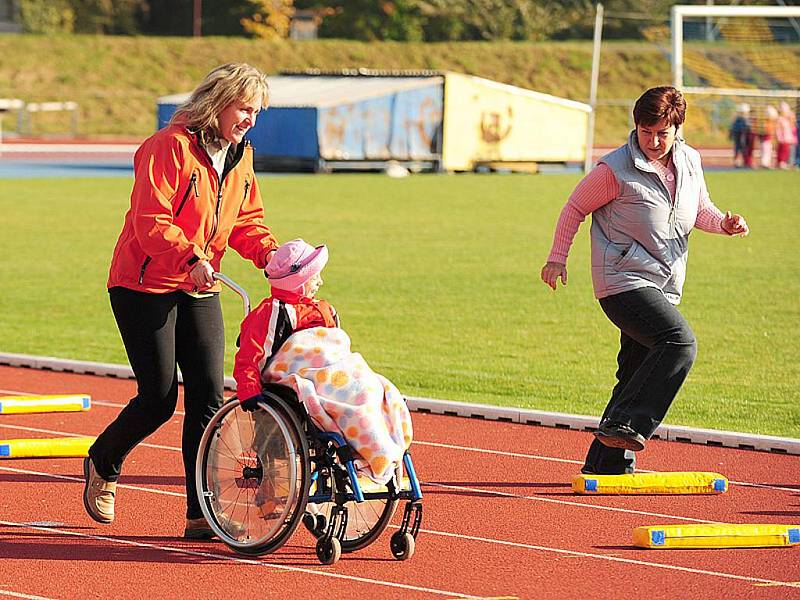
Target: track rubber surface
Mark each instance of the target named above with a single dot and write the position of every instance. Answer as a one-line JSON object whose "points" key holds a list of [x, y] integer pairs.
{"points": [[500, 520]]}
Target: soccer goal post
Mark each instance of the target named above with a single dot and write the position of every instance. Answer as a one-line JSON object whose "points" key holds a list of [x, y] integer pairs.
{"points": [[742, 51]]}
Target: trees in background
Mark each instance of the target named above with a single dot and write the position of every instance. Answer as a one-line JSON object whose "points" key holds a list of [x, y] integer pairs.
{"points": [[404, 20], [83, 16]]}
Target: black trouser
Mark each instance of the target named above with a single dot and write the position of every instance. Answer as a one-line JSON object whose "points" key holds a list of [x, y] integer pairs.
{"points": [[657, 350], [161, 331]]}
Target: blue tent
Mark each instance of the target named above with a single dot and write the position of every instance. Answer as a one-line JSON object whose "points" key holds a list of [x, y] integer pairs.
{"points": [[324, 122]]}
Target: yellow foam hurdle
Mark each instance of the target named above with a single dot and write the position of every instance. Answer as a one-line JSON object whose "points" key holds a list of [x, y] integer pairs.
{"points": [[716, 535], [46, 447], [675, 482], [45, 404]]}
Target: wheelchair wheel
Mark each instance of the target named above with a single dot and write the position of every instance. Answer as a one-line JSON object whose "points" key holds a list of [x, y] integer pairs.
{"points": [[365, 520], [253, 475]]}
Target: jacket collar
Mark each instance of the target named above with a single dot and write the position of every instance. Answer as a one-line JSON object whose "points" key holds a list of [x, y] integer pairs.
{"points": [[232, 158], [641, 162], [292, 297]]}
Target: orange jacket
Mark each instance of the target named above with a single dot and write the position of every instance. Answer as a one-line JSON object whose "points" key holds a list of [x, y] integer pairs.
{"points": [[267, 326], [180, 214]]}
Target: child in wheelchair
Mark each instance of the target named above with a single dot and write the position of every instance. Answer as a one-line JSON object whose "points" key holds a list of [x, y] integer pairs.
{"points": [[292, 338]]}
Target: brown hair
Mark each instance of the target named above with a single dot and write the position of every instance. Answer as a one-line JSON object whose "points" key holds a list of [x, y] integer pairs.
{"points": [[659, 103], [223, 85]]}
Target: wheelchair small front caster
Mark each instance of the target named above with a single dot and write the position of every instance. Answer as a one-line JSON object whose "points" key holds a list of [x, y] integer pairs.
{"points": [[328, 550], [402, 545]]}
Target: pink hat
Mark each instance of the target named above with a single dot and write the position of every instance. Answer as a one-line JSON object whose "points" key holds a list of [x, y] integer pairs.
{"points": [[295, 263]]}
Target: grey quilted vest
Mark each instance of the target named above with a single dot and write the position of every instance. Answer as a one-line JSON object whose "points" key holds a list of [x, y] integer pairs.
{"points": [[640, 238]]}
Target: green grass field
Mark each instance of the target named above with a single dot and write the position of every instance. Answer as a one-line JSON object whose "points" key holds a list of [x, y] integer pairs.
{"points": [[436, 280]]}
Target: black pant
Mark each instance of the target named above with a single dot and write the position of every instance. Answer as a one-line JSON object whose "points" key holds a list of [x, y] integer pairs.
{"points": [[161, 332], [657, 350]]}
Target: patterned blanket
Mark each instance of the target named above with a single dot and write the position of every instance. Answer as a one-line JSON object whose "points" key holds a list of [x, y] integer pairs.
{"points": [[343, 395]]}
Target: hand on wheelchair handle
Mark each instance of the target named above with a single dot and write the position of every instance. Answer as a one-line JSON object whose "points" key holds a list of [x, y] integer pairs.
{"points": [[251, 404]]}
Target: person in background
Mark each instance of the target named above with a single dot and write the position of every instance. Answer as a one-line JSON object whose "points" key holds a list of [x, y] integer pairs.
{"points": [[797, 129], [767, 137], [194, 194], [739, 133], [786, 135], [645, 198]]}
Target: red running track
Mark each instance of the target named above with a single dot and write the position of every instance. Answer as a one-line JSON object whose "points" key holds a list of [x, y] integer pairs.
{"points": [[500, 520]]}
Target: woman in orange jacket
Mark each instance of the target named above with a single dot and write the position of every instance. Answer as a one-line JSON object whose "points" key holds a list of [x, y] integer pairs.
{"points": [[194, 194]]}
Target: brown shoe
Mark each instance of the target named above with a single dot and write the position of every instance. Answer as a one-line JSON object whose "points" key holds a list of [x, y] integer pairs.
{"points": [[98, 494], [198, 529]]}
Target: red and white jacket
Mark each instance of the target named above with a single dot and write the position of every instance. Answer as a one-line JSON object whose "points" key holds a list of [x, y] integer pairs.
{"points": [[267, 327]]}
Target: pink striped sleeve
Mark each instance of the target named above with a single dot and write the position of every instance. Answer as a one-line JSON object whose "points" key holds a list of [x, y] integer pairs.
{"points": [[709, 217], [597, 189]]}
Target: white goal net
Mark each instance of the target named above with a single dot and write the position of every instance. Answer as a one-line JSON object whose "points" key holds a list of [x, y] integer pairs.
{"points": [[737, 59], [737, 50]]}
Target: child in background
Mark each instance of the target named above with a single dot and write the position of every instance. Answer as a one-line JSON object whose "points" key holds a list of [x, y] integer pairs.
{"points": [[786, 135], [768, 137], [740, 135]]}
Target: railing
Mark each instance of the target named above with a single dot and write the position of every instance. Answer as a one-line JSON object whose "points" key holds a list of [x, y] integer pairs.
{"points": [[7, 105], [26, 110]]}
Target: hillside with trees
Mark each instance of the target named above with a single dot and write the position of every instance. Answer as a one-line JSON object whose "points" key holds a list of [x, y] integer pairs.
{"points": [[115, 59]]}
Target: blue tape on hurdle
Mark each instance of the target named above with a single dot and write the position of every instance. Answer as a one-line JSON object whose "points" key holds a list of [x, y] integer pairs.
{"points": [[87, 403], [794, 536], [1, 408], [5, 449], [720, 485], [658, 537], [591, 485]]}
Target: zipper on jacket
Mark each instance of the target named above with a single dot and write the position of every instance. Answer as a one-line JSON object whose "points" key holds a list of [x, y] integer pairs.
{"points": [[221, 180], [192, 184], [144, 266], [215, 226], [246, 188]]}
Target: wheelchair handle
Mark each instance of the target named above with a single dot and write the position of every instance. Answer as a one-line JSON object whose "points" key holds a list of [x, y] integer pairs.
{"points": [[236, 288]]}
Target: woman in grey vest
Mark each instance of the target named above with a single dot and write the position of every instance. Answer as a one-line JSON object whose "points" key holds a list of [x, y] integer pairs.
{"points": [[645, 197]]}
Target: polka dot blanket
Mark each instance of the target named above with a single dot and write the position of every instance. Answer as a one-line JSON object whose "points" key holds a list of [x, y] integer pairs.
{"points": [[343, 395]]}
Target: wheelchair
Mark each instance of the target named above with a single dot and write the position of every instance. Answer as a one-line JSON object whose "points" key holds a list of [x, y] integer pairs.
{"points": [[262, 473]]}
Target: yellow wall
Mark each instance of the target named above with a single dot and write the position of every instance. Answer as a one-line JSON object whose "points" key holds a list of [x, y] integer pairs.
{"points": [[486, 121]]}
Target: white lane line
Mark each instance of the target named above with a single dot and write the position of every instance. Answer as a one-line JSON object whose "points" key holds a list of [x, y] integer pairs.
{"points": [[28, 596], [490, 540], [81, 480], [534, 547], [419, 443], [461, 488], [94, 402], [632, 561], [565, 502], [248, 561], [70, 434], [424, 484], [577, 462]]}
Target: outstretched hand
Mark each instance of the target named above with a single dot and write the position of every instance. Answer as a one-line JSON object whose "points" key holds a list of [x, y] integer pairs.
{"points": [[552, 271], [734, 224]]}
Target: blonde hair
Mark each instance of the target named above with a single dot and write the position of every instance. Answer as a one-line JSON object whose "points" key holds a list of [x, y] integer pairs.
{"points": [[222, 86]]}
